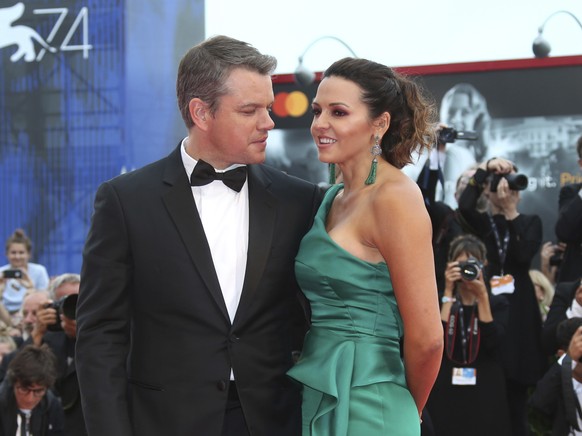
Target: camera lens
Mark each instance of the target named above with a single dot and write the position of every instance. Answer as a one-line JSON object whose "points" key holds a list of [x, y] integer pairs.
{"points": [[69, 306], [517, 182], [469, 270]]}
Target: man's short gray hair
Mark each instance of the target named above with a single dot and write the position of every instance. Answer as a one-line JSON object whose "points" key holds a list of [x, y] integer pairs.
{"points": [[58, 281]]}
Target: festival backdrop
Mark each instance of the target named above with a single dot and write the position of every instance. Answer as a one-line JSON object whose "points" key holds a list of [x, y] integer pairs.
{"points": [[87, 92], [526, 110]]}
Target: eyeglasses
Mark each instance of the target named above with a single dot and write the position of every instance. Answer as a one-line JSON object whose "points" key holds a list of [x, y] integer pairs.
{"points": [[39, 392]]}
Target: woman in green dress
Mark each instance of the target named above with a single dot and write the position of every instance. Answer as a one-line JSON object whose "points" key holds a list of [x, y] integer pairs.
{"points": [[374, 347]]}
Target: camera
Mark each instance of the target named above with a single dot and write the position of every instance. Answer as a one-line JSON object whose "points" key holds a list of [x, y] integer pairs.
{"points": [[556, 259], [12, 274], [470, 269], [66, 306], [449, 135], [517, 182]]}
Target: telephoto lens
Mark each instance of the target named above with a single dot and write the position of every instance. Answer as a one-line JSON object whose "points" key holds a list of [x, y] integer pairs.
{"points": [[516, 182]]}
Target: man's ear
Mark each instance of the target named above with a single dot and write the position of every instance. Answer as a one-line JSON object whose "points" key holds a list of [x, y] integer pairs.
{"points": [[199, 113]]}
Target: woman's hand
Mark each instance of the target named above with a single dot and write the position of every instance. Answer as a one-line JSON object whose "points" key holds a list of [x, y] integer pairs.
{"points": [[476, 287], [498, 165], [25, 280], [452, 275], [506, 199]]}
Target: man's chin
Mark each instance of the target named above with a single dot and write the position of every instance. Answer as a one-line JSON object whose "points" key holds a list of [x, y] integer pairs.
{"points": [[258, 158]]}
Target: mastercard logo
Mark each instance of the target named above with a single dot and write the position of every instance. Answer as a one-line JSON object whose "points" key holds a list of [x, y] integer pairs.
{"points": [[290, 104]]}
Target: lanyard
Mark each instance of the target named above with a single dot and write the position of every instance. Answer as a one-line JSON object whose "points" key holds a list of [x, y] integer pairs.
{"points": [[501, 248], [470, 335]]}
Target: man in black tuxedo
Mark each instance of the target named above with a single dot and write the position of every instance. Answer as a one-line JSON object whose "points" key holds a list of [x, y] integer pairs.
{"points": [[569, 227], [188, 294]]}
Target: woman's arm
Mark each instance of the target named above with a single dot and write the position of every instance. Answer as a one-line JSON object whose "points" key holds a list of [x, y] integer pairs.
{"points": [[403, 237]]}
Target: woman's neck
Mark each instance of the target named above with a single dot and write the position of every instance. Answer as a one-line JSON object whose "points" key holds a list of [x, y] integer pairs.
{"points": [[467, 299]]}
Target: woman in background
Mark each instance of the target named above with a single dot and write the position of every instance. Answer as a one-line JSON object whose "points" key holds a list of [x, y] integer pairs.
{"points": [[544, 291], [471, 372], [512, 239], [367, 265], [20, 275]]}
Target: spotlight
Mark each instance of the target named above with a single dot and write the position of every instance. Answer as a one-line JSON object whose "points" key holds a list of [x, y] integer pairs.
{"points": [[305, 77], [540, 46]]}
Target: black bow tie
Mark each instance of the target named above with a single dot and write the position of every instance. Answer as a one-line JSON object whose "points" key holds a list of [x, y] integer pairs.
{"points": [[204, 174]]}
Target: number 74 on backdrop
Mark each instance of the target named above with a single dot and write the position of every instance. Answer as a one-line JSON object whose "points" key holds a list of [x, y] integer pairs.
{"points": [[24, 36]]}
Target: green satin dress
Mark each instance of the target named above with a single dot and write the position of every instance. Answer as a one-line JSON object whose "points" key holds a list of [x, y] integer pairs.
{"points": [[351, 370]]}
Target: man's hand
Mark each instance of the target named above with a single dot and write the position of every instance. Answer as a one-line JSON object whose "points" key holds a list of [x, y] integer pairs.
{"points": [[45, 316]]}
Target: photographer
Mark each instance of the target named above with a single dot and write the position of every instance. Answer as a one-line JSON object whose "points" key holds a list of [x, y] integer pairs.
{"points": [[474, 324], [569, 227], [445, 225], [512, 240], [550, 260], [58, 331]]}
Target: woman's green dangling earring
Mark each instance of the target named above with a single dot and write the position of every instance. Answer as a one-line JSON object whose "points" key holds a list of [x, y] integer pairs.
{"points": [[376, 151], [331, 168]]}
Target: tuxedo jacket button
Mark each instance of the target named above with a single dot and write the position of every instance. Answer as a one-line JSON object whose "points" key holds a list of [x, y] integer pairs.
{"points": [[221, 385]]}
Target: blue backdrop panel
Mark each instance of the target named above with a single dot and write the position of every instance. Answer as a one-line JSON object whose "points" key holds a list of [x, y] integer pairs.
{"points": [[72, 75]]}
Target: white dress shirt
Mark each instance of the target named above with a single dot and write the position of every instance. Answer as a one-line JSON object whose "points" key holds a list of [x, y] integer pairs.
{"points": [[225, 217]]}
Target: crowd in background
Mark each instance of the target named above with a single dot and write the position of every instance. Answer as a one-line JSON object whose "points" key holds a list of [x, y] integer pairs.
{"points": [[510, 326], [39, 393]]}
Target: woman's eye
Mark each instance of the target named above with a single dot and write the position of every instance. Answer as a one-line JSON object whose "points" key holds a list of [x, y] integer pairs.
{"points": [[315, 111], [338, 113]]}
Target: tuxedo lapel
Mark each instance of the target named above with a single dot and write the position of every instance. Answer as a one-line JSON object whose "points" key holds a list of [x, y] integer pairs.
{"points": [[182, 208], [262, 209]]}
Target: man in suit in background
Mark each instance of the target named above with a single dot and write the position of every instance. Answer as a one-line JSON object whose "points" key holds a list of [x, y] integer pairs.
{"points": [[569, 227], [188, 294]]}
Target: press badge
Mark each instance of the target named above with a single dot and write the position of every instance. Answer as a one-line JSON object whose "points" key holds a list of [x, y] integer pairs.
{"points": [[502, 284], [464, 376]]}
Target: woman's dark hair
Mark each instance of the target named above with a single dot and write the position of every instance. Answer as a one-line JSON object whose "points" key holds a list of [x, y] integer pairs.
{"points": [[19, 237], [412, 115], [33, 365], [468, 244]]}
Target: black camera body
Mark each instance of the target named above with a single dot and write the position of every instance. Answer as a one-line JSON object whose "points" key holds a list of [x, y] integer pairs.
{"points": [[66, 306], [556, 259], [470, 269], [12, 274], [449, 135], [517, 182]]}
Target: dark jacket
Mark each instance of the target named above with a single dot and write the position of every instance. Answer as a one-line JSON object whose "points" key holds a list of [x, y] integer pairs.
{"points": [[551, 398], [155, 344], [569, 230], [47, 417]]}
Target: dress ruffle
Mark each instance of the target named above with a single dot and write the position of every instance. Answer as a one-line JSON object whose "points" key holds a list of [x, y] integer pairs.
{"points": [[332, 365]]}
